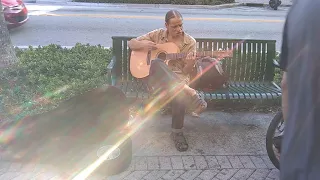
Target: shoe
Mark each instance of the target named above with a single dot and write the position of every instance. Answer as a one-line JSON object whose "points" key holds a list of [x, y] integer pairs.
{"points": [[179, 141]]}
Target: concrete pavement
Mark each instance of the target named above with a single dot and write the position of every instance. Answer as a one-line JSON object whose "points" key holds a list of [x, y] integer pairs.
{"points": [[223, 145]]}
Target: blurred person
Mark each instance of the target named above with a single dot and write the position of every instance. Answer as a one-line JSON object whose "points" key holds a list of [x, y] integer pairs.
{"points": [[300, 58]]}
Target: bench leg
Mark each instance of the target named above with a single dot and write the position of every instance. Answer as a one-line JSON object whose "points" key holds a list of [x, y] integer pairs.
{"points": [[178, 111]]}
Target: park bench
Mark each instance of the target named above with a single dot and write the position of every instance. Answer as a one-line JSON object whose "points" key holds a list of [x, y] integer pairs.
{"points": [[250, 69]]}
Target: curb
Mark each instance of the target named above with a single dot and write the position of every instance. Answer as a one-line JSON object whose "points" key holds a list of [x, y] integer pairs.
{"points": [[264, 5]]}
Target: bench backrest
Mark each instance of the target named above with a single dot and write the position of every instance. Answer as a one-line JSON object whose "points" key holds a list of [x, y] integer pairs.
{"points": [[252, 59]]}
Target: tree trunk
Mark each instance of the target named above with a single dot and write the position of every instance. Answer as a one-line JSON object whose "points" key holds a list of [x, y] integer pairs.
{"points": [[7, 53]]}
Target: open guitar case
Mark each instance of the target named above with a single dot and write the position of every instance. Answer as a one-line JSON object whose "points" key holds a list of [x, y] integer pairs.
{"points": [[70, 137]]}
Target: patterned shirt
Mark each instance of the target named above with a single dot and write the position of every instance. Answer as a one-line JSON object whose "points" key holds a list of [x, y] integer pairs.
{"points": [[160, 36]]}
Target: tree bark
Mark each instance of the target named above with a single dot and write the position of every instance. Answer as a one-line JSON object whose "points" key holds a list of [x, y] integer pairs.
{"points": [[7, 53]]}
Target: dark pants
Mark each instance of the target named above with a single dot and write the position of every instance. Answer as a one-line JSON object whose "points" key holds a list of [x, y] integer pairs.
{"points": [[163, 79]]}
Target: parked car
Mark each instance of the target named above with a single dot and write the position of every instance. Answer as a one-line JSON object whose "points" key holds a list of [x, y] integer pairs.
{"points": [[15, 13]]}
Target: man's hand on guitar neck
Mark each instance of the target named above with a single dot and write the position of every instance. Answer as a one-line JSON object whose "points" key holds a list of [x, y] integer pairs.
{"points": [[190, 61]]}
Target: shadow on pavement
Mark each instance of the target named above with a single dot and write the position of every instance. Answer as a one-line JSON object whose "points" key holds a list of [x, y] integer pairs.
{"points": [[70, 136]]}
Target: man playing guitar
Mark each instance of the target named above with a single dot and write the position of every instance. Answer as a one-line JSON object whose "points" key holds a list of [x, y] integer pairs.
{"points": [[177, 73]]}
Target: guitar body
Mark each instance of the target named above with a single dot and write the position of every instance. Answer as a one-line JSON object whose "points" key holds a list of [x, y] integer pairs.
{"points": [[140, 61]]}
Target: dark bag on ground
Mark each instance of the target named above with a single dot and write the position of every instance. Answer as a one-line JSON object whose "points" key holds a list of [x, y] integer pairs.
{"points": [[211, 75]]}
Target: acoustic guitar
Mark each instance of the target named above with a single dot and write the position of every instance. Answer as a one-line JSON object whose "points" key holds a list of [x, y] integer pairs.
{"points": [[140, 60]]}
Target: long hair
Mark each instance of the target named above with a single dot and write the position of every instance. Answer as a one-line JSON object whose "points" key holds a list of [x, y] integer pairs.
{"points": [[172, 14]]}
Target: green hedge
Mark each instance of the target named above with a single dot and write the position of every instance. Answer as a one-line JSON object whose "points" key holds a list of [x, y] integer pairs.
{"points": [[52, 72], [184, 2]]}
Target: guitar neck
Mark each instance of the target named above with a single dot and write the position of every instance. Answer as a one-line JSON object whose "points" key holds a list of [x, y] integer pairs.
{"points": [[175, 56]]}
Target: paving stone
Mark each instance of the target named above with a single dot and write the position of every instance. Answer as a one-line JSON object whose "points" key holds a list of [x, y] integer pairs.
{"points": [[243, 174], [4, 166], [274, 174], [25, 176], [208, 174], [64, 176], [14, 167], [45, 175], [28, 167], [188, 162], [235, 162], [136, 175], [226, 174], [120, 176], [212, 162], [190, 174], [141, 163], [246, 162], [176, 162], [201, 162], [173, 174], [165, 163], [268, 162], [9, 175], [260, 174], [153, 163], [153, 175], [223, 162], [258, 162], [42, 168]]}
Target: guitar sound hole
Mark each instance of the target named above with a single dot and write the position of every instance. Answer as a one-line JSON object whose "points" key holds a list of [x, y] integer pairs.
{"points": [[162, 56]]}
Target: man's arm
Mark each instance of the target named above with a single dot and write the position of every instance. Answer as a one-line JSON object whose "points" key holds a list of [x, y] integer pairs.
{"points": [[284, 89], [144, 41], [283, 65]]}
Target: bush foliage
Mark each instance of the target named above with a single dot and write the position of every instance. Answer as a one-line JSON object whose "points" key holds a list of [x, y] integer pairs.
{"points": [[183, 2], [48, 75]]}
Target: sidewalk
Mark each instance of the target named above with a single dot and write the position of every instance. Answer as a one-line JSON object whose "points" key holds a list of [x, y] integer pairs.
{"points": [[222, 146]]}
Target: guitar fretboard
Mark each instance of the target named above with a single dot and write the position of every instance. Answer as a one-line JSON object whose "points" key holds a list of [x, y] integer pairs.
{"points": [[175, 56]]}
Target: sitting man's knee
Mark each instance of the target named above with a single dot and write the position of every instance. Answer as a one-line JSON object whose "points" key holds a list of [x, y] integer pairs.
{"points": [[157, 61]]}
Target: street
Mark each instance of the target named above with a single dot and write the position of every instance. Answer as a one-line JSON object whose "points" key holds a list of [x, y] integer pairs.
{"points": [[68, 25]]}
